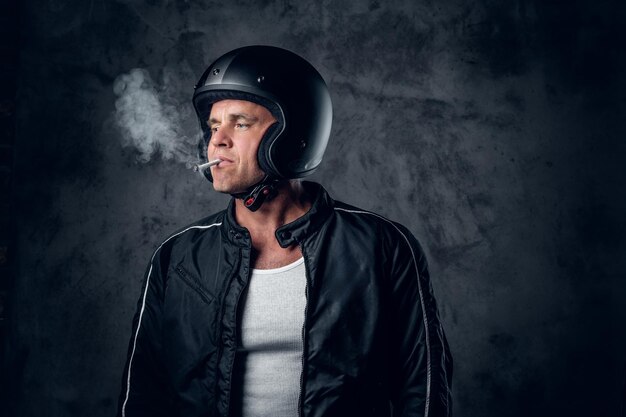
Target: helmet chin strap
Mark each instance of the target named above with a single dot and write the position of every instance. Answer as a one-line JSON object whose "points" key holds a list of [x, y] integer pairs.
{"points": [[257, 194]]}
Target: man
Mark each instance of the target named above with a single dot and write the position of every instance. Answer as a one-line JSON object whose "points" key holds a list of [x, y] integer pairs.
{"points": [[287, 303]]}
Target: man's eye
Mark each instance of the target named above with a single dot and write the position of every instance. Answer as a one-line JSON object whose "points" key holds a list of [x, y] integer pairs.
{"points": [[242, 125], [213, 129]]}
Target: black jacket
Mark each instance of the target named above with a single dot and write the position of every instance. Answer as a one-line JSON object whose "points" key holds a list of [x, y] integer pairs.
{"points": [[373, 342]]}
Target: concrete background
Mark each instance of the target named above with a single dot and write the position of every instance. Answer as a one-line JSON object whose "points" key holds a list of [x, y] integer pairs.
{"points": [[493, 130]]}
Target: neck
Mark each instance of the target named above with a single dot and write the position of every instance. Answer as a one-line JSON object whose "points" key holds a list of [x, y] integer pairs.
{"points": [[291, 202]]}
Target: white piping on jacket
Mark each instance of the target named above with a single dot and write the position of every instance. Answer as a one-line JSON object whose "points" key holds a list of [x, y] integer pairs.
{"points": [[143, 306], [419, 287]]}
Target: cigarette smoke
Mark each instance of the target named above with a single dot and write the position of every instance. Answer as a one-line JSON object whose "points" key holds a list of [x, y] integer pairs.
{"points": [[149, 119]]}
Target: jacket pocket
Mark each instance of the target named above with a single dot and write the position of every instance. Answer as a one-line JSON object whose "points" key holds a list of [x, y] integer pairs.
{"points": [[194, 282]]}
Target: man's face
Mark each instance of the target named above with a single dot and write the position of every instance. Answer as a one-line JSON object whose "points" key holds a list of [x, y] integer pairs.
{"points": [[237, 127]]}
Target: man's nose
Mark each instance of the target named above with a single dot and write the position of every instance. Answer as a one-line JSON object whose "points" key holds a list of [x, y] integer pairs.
{"points": [[220, 137]]}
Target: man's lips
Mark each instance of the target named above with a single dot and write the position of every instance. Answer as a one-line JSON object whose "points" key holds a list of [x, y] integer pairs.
{"points": [[225, 161]]}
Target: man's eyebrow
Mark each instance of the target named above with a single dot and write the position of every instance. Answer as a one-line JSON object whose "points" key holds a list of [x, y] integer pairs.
{"points": [[245, 116], [236, 116]]}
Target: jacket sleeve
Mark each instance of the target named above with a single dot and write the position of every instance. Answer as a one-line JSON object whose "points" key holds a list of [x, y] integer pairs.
{"points": [[144, 386], [422, 364]]}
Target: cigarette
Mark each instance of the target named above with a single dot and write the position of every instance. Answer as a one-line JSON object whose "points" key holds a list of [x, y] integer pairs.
{"points": [[202, 167]]}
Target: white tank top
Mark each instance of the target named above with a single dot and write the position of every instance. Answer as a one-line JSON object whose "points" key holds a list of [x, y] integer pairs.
{"points": [[268, 364]]}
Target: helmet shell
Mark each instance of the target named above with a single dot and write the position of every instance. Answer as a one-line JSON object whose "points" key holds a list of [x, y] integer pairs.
{"points": [[290, 88]]}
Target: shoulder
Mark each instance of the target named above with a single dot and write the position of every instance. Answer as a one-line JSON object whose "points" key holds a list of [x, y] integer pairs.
{"points": [[206, 229], [391, 233], [348, 212]]}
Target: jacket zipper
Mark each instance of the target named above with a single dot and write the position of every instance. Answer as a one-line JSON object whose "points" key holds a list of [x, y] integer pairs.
{"points": [[304, 339], [221, 346], [306, 308], [184, 275], [232, 361]]}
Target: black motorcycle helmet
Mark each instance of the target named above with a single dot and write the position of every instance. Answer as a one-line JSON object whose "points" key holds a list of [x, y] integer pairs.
{"points": [[290, 88]]}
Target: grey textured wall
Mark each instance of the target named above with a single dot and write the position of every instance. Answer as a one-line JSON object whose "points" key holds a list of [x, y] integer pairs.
{"points": [[493, 130]]}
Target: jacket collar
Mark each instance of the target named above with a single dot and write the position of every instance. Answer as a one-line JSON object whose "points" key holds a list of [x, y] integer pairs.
{"points": [[288, 234]]}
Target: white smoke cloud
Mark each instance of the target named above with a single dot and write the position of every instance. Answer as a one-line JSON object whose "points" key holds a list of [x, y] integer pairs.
{"points": [[149, 119]]}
